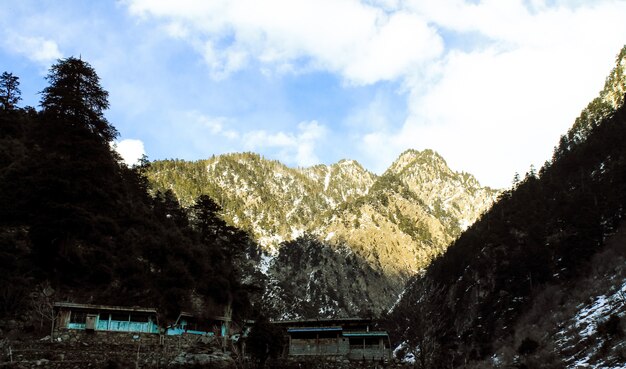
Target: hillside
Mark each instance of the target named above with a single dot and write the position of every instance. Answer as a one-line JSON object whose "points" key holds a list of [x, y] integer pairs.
{"points": [[513, 277], [78, 225], [394, 223], [276, 203]]}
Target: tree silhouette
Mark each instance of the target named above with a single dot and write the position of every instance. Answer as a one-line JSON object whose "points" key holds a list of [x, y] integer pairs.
{"points": [[265, 341], [9, 91], [207, 221], [75, 96]]}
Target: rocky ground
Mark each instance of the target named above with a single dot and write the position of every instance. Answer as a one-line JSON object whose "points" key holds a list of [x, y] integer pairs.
{"points": [[77, 349]]}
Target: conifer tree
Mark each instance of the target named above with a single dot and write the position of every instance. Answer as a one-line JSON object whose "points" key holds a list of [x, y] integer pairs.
{"points": [[9, 91], [75, 96], [74, 181]]}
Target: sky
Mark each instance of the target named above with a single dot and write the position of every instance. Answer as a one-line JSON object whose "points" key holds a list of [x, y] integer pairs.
{"points": [[490, 85]]}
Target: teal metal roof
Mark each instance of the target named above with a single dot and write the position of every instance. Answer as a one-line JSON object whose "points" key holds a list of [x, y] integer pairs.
{"points": [[124, 309], [311, 322], [315, 329], [366, 334]]}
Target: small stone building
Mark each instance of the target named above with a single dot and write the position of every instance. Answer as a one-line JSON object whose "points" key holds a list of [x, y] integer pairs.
{"points": [[350, 338], [106, 318]]}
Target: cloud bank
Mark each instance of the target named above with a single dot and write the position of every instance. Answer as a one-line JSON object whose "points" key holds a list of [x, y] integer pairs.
{"points": [[363, 43], [490, 84]]}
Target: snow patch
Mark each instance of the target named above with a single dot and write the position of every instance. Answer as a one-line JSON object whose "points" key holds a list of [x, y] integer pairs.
{"points": [[295, 233], [586, 320], [266, 262], [585, 324], [464, 224], [327, 179], [409, 356]]}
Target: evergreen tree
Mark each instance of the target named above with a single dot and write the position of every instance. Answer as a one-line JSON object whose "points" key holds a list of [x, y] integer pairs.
{"points": [[9, 91], [72, 181], [76, 97], [207, 221]]}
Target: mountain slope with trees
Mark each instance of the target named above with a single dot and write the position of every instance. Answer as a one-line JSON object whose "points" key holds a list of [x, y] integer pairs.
{"points": [[76, 221], [393, 224], [471, 304]]}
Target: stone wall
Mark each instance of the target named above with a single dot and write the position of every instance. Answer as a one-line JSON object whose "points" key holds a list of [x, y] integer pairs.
{"points": [[322, 362], [75, 349], [81, 349]]}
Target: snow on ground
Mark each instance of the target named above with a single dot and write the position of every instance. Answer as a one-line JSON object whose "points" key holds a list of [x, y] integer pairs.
{"points": [[587, 319], [584, 325], [266, 261], [296, 232], [327, 179], [409, 357], [330, 236]]}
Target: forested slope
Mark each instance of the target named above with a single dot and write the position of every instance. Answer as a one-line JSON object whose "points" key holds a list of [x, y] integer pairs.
{"points": [[542, 232], [79, 224]]}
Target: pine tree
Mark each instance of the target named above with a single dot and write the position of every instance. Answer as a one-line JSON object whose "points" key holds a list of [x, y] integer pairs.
{"points": [[73, 183], [9, 91], [76, 97]]}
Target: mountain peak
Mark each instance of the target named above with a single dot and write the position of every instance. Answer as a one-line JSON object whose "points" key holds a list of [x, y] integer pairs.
{"points": [[415, 159]]}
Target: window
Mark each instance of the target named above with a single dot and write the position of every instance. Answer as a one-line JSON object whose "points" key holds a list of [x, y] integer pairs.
{"points": [[143, 318], [120, 317], [78, 317]]}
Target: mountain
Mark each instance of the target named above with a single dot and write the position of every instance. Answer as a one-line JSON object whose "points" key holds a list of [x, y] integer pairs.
{"points": [[538, 280], [393, 223], [309, 278]]}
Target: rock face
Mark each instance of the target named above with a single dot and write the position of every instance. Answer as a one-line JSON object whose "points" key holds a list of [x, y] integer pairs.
{"points": [[309, 278], [389, 225]]}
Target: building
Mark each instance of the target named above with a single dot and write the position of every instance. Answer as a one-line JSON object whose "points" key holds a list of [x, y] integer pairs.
{"points": [[106, 318], [351, 338], [187, 323]]}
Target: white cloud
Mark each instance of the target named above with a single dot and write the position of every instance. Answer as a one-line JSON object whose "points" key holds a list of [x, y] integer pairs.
{"points": [[497, 109], [361, 42], [216, 125], [490, 85], [298, 149], [130, 150], [37, 49], [225, 134]]}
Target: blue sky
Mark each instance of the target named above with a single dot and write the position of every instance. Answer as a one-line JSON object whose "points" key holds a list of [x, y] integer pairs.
{"points": [[490, 85]]}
